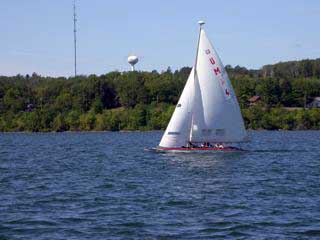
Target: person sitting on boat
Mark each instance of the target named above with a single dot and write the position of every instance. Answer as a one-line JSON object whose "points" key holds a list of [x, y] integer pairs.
{"points": [[190, 145], [206, 145], [220, 146]]}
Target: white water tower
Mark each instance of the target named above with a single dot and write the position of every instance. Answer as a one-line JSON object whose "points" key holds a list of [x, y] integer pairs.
{"points": [[132, 60]]}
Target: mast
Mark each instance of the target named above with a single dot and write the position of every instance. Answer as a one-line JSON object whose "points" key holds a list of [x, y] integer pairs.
{"points": [[75, 37], [195, 65], [195, 74]]}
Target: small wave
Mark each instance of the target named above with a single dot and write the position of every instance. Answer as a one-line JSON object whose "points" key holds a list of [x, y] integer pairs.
{"points": [[278, 150], [310, 233], [132, 224], [106, 185], [32, 222], [73, 220], [178, 203]]}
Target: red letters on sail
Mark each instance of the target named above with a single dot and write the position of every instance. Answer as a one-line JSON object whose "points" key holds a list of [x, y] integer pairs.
{"points": [[216, 70]]}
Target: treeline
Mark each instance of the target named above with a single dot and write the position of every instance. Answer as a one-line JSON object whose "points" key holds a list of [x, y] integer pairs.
{"points": [[258, 117], [114, 101], [288, 84], [146, 100]]}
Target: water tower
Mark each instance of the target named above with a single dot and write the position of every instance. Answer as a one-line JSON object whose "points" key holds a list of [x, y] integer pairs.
{"points": [[132, 60]]}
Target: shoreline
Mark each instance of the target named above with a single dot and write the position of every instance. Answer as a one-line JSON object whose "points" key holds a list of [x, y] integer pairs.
{"points": [[146, 131]]}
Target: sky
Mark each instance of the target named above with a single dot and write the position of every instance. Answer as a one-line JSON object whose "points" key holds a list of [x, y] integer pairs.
{"points": [[37, 35]]}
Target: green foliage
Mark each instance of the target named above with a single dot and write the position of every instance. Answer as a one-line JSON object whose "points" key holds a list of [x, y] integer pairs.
{"points": [[146, 100], [159, 115], [131, 89], [59, 123], [269, 90], [13, 100], [63, 102], [87, 121], [137, 117], [73, 120], [281, 118]]}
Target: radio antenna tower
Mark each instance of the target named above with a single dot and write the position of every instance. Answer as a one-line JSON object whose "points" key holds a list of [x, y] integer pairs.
{"points": [[75, 37]]}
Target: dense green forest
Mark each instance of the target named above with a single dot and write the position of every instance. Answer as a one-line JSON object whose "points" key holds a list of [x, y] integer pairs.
{"points": [[146, 100]]}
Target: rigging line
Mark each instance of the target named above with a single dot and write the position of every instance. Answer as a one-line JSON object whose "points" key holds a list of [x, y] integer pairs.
{"points": [[75, 37], [195, 79]]}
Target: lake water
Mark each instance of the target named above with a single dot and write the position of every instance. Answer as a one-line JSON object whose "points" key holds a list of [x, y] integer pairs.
{"points": [[105, 186]]}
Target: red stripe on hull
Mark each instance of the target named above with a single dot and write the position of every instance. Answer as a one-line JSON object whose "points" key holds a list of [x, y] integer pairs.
{"points": [[225, 149]]}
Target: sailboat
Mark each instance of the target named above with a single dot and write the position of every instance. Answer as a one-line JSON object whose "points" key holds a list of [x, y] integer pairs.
{"points": [[207, 116]]}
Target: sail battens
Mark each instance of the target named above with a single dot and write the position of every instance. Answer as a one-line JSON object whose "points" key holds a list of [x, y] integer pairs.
{"points": [[173, 133]]}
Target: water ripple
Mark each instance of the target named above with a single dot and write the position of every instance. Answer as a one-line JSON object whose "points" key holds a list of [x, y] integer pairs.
{"points": [[105, 186]]}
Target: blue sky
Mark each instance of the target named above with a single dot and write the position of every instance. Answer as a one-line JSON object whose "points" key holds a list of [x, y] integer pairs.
{"points": [[36, 35]]}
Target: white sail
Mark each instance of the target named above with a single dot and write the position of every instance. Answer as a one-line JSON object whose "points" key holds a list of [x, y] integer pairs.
{"points": [[178, 129], [222, 116], [197, 122], [208, 110]]}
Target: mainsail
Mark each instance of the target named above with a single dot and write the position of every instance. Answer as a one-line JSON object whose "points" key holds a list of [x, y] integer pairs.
{"points": [[208, 110]]}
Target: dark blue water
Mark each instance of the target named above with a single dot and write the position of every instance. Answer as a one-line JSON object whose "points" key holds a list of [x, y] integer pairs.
{"points": [[105, 186]]}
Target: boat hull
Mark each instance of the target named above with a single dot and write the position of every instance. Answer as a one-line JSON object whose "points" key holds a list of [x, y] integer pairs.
{"points": [[213, 149]]}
